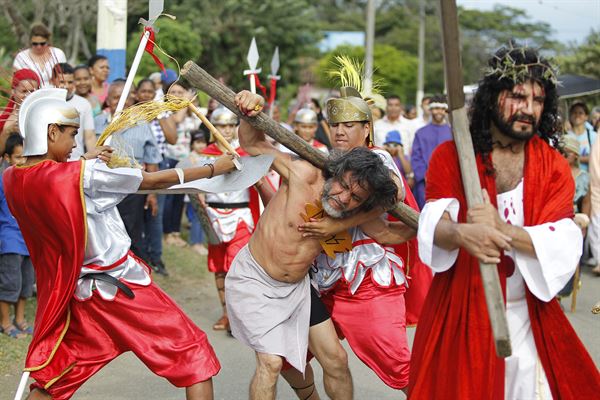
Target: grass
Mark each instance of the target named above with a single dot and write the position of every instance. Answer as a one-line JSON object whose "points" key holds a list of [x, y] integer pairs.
{"points": [[188, 276]]}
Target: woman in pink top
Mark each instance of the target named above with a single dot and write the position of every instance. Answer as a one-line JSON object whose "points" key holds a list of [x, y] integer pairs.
{"points": [[99, 70]]}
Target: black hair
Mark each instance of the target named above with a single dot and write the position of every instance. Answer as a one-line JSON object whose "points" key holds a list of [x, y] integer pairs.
{"points": [[369, 171], [81, 66], [199, 134], [508, 67], [145, 80], [581, 105], [393, 97], [62, 69], [95, 58], [14, 140], [167, 85], [438, 98]]}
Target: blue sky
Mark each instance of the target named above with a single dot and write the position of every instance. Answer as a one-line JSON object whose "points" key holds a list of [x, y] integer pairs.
{"points": [[571, 20]]}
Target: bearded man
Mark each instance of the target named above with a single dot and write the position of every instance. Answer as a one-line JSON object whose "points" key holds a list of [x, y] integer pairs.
{"points": [[525, 225]]}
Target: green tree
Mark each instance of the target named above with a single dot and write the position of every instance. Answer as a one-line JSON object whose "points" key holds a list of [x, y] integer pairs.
{"points": [[583, 59], [176, 38], [394, 69]]}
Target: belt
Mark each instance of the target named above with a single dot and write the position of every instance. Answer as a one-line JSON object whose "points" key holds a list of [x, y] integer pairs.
{"points": [[228, 205], [102, 276]]}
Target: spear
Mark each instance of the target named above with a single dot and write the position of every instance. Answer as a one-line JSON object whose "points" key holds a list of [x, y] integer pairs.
{"points": [[274, 78], [202, 80], [252, 64], [468, 167]]}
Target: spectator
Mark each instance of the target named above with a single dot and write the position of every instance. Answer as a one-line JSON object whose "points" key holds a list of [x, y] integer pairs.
{"points": [[199, 143], [16, 270], [594, 228], [24, 81], [393, 145], [595, 119], [583, 131], [140, 140], [83, 88], [165, 131], [411, 112], [99, 70], [581, 201], [394, 121], [175, 153], [322, 134], [426, 140], [305, 125], [156, 79], [420, 122], [62, 77], [40, 57]]}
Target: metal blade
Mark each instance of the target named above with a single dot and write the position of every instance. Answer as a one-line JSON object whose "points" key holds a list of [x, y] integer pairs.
{"points": [[275, 62], [155, 8], [253, 55], [253, 168]]}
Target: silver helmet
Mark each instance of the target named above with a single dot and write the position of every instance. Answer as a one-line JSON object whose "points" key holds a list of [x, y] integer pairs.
{"points": [[40, 109], [306, 116], [223, 116]]}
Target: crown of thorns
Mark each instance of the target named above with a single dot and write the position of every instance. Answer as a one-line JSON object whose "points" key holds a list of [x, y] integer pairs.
{"points": [[504, 66]]}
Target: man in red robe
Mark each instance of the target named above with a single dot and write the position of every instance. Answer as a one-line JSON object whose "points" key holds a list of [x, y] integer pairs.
{"points": [[525, 226], [96, 299]]}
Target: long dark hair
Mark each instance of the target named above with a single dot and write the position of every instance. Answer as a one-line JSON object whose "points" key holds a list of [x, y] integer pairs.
{"points": [[369, 171], [508, 67]]}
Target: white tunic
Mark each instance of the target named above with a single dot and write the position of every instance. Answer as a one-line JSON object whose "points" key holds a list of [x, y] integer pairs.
{"points": [[558, 247], [107, 238], [386, 267]]}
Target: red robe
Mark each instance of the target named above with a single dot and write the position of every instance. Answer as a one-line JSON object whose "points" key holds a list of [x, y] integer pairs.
{"points": [[47, 201], [453, 352]]}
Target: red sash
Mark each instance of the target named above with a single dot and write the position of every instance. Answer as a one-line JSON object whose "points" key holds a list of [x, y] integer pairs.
{"points": [[47, 201], [453, 352]]}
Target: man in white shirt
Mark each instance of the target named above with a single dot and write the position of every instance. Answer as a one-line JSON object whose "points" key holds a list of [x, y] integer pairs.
{"points": [[62, 77], [394, 121]]}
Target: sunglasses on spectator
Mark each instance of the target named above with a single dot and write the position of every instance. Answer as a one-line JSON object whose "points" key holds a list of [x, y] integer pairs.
{"points": [[38, 43]]}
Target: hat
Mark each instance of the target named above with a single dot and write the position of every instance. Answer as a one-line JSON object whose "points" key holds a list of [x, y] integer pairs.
{"points": [[155, 76], [168, 76], [393, 137], [570, 143], [306, 116]]}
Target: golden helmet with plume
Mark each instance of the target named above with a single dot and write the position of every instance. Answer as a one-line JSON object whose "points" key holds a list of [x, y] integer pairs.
{"points": [[351, 106]]}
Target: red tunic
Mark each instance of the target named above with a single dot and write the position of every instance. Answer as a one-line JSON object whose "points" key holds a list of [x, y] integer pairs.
{"points": [[453, 352], [47, 201]]}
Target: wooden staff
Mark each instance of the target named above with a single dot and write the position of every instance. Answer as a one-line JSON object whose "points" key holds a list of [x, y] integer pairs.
{"points": [[202, 80], [211, 235], [468, 167], [575, 289]]}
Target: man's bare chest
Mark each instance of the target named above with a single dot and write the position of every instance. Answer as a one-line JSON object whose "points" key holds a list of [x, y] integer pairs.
{"points": [[509, 171]]}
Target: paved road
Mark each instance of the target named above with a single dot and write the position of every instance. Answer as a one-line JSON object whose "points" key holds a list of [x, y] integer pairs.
{"points": [[127, 378]]}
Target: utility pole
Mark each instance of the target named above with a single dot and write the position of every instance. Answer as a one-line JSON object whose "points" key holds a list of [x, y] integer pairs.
{"points": [[421, 70], [368, 78], [111, 38]]}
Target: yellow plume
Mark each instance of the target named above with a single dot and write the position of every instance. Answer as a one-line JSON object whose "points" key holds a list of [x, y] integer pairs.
{"points": [[139, 113], [349, 72]]}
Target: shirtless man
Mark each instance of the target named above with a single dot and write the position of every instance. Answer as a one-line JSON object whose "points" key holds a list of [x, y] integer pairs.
{"points": [[267, 287]]}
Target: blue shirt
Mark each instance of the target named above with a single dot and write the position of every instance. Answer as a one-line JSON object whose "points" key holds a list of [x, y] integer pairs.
{"points": [[11, 239], [138, 139]]}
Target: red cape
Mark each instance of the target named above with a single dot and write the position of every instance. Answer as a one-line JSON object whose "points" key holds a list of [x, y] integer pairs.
{"points": [[214, 151], [418, 274], [47, 201], [453, 352]]}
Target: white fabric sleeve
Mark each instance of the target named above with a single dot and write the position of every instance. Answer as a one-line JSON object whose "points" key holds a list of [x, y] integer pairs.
{"points": [[107, 187], [438, 259], [389, 162], [558, 247], [87, 117]]}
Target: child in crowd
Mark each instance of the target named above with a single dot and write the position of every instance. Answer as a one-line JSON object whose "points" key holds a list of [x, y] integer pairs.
{"points": [[16, 270], [197, 145]]}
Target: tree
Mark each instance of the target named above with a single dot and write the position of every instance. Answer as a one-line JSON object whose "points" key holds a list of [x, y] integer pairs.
{"points": [[583, 59], [394, 69], [176, 38]]}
